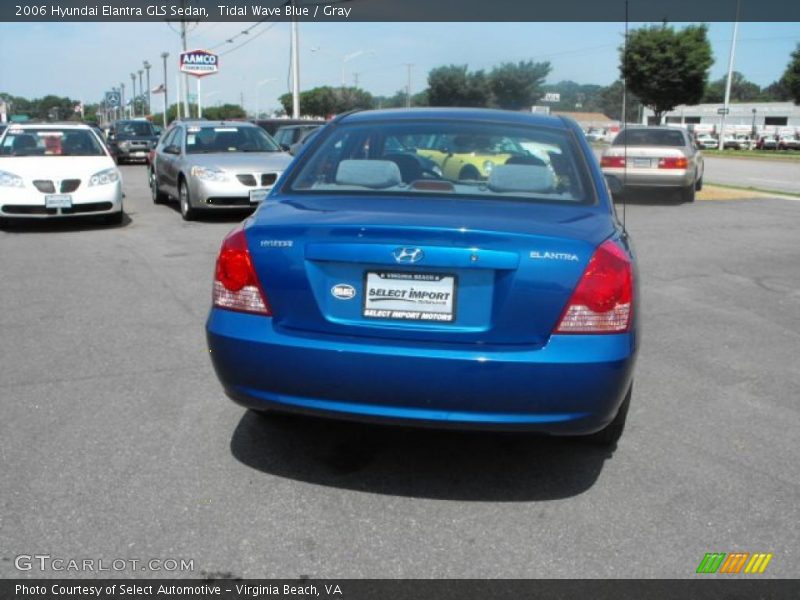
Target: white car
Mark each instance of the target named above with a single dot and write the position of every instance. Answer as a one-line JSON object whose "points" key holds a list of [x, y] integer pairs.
{"points": [[57, 170], [707, 142]]}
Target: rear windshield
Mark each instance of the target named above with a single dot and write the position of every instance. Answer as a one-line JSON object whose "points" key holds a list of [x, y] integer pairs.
{"points": [[649, 137], [136, 129], [51, 142], [207, 140], [449, 158]]}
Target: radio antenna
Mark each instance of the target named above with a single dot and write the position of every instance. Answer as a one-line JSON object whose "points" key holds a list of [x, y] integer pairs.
{"points": [[624, 116]]}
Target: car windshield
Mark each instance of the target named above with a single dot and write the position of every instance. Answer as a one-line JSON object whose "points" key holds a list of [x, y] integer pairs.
{"points": [[649, 137], [51, 142], [228, 138], [447, 158], [135, 129]]}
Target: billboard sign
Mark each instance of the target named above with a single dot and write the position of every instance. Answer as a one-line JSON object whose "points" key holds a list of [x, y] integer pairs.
{"points": [[199, 62], [552, 97]]}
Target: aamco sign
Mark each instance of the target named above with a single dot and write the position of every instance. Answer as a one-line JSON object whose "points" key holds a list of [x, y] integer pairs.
{"points": [[199, 62]]}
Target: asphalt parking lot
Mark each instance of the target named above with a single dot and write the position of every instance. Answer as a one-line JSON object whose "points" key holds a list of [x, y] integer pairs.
{"points": [[117, 442]]}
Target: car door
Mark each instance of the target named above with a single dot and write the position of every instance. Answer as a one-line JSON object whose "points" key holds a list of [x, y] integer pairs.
{"points": [[161, 162], [173, 163]]}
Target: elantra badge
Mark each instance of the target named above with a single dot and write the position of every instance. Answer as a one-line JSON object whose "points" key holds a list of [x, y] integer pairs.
{"points": [[343, 291], [408, 255]]}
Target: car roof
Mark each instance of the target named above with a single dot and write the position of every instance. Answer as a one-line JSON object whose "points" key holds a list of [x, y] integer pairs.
{"points": [[469, 114], [53, 125], [205, 123]]}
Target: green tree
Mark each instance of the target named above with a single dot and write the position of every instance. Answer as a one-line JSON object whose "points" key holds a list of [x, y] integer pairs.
{"points": [[665, 67], [610, 103], [325, 101], [453, 85], [742, 90], [791, 76], [776, 92], [518, 86], [226, 111]]}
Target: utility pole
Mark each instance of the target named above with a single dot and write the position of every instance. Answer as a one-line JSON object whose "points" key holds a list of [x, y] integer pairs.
{"points": [[355, 79], [185, 76], [164, 56], [295, 69], [141, 91], [725, 108], [147, 66], [408, 84]]}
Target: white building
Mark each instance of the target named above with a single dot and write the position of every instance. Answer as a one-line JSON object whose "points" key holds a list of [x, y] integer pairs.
{"points": [[761, 116]]}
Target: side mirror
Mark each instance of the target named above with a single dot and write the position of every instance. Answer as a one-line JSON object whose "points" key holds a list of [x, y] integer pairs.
{"points": [[172, 149], [285, 147], [110, 136], [614, 184]]}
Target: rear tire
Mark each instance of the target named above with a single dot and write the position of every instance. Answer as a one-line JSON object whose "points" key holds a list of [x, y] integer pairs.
{"points": [[158, 196], [699, 185], [610, 435], [687, 193], [187, 212]]}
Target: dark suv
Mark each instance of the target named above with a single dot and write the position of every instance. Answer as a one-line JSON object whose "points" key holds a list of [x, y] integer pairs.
{"points": [[132, 140]]}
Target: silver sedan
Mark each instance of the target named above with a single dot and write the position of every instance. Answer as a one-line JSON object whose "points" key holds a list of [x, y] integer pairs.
{"points": [[655, 157], [215, 165]]}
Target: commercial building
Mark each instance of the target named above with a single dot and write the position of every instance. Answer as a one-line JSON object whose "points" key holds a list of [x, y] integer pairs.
{"points": [[763, 117]]}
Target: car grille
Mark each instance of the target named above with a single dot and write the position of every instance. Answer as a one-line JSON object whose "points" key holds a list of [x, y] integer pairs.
{"points": [[246, 179], [38, 209], [249, 180], [69, 185], [45, 186], [225, 201]]}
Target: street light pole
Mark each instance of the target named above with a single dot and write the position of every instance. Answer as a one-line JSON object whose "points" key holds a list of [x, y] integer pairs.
{"points": [[753, 129], [730, 73], [141, 91], [147, 66], [122, 100], [133, 95], [295, 69], [164, 56]]}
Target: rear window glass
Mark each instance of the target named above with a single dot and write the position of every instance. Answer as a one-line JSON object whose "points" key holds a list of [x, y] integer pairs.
{"points": [[51, 142], [136, 128], [448, 158], [649, 137]]}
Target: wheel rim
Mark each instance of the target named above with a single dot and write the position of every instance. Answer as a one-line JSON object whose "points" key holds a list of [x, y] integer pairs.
{"points": [[153, 186], [184, 200]]}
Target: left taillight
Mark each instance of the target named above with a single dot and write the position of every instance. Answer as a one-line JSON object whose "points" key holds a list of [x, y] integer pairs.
{"points": [[603, 299], [236, 286]]}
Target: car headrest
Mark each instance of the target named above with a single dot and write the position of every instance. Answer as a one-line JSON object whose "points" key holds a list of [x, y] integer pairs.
{"points": [[368, 173], [521, 178]]}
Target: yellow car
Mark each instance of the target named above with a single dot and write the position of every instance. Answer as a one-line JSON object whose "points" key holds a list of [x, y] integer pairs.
{"points": [[468, 157]]}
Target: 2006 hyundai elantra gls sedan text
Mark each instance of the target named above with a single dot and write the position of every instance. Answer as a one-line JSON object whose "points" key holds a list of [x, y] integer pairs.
{"points": [[371, 287]]}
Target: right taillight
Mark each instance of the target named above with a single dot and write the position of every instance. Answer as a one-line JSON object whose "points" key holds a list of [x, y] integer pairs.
{"points": [[612, 162], [603, 299], [236, 286]]}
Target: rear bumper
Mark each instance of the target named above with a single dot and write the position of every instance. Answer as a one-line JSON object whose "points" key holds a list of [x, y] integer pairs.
{"points": [[573, 385], [653, 178]]}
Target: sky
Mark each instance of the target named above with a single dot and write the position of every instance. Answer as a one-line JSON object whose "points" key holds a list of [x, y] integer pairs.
{"points": [[83, 60]]}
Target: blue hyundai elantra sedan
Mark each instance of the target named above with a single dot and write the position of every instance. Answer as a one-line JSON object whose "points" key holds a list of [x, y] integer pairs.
{"points": [[438, 267]]}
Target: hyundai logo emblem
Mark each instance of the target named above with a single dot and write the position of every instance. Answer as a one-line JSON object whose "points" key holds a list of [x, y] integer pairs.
{"points": [[408, 255]]}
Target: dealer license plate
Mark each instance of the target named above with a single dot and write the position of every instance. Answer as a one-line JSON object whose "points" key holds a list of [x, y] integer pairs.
{"points": [[641, 163], [409, 296], [58, 201], [257, 196]]}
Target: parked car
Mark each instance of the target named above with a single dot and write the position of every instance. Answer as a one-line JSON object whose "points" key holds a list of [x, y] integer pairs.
{"points": [[767, 142], [595, 135], [131, 140], [788, 142], [55, 170], [272, 125], [359, 292], [215, 165], [707, 142], [288, 135], [651, 157], [471, 157], [731, 142], [307, 136]]}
